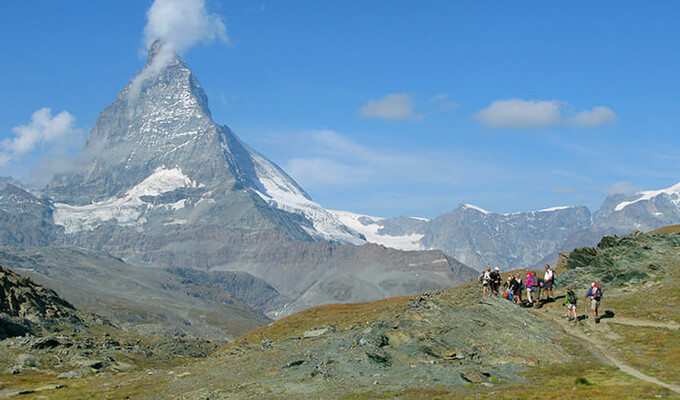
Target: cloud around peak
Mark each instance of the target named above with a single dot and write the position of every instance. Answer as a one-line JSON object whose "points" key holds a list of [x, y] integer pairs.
{"points": [[537, 114], [181, 24]]}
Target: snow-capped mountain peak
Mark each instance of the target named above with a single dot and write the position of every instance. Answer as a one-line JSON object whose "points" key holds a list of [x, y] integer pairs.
{"points": [[673, 192]]}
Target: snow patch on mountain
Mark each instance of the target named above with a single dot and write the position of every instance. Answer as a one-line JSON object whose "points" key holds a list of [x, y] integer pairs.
{"points": [[673, 191], [125, 210], [370, 227]]}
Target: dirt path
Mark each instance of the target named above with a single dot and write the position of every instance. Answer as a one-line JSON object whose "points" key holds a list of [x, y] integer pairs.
{"points": [[608, 354], [640, 322]]}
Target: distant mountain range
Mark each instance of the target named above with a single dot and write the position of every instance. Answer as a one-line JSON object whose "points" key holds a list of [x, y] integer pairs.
{"points": [[480, 238]]}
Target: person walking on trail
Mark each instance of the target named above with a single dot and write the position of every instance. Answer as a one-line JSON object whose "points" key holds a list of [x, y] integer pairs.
{"points": [[495, 280], [548, 281], [517, 291], [570, 303], [486, 279], [530, 287], [595, 294]]}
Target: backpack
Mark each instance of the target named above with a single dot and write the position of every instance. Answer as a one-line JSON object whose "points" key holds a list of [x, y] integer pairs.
{"points": [[597, 293], [554, 276], [480, 279], [571, 297]]}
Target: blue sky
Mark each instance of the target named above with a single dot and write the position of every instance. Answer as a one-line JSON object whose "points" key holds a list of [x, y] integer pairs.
{"points": [[384, 107]]}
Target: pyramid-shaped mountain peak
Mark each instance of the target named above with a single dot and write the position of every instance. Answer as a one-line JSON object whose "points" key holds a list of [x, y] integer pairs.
{"points": [[157, 147]]}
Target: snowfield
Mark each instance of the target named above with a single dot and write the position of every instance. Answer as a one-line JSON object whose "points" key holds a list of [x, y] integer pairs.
{"points": [[125, 210]]}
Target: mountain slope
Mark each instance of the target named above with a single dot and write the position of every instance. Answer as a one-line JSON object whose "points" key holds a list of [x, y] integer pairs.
{"points": [[144, 300]]}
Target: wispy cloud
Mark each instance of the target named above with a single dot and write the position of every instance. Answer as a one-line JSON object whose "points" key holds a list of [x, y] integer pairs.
{"points": [[443, 103], [54, 132], [397, 106], [337, 161], [536, 114]]}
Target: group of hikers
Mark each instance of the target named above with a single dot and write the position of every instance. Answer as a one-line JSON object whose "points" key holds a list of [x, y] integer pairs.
{"points": [[492, 282]]}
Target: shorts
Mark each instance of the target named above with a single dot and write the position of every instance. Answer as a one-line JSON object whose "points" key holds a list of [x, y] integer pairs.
{"points": [[594, 304], [571, 306], [485, 284], [548, 285]]}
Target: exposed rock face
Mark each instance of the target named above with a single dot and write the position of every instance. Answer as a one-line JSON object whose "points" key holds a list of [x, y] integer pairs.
{"points": [[28, 307]]}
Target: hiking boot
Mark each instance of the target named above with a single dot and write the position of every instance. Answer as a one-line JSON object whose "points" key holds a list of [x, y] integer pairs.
{"points": [[597, 320]]}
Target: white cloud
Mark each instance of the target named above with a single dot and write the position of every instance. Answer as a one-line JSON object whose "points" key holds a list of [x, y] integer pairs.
{"points": [[517, 113], [597, 116], [397, 106], [535, 114], [182, 23], [44, 129]]}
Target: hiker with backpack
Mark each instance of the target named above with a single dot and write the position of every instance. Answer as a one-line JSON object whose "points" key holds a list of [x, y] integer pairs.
{"points": [[549, 281], [570, 303], [485, 279], [495, 280], [595, 294]]}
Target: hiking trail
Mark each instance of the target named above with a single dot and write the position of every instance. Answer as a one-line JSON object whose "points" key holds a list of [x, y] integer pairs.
{"points": [[608, 354]]}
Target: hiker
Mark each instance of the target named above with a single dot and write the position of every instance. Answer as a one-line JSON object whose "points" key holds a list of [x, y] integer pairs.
{"points": [[508, 288], [549, 280], [530, 287], [495, 280], [570, 303], [517, 289], [538, 286], [595, 294], [486, 279]]}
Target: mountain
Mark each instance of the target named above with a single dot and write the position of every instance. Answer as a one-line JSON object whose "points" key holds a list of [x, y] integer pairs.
{"points": [[622, 213], [26, 219], [477, 237], [157, 159], [162, 185]]}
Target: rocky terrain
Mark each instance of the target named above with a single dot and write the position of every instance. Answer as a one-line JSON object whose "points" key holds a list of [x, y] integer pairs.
{"points": [[43, 335], [443, 344]]}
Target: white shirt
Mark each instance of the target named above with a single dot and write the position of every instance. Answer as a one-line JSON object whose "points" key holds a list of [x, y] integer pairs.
{"points": [[549, 274]]}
